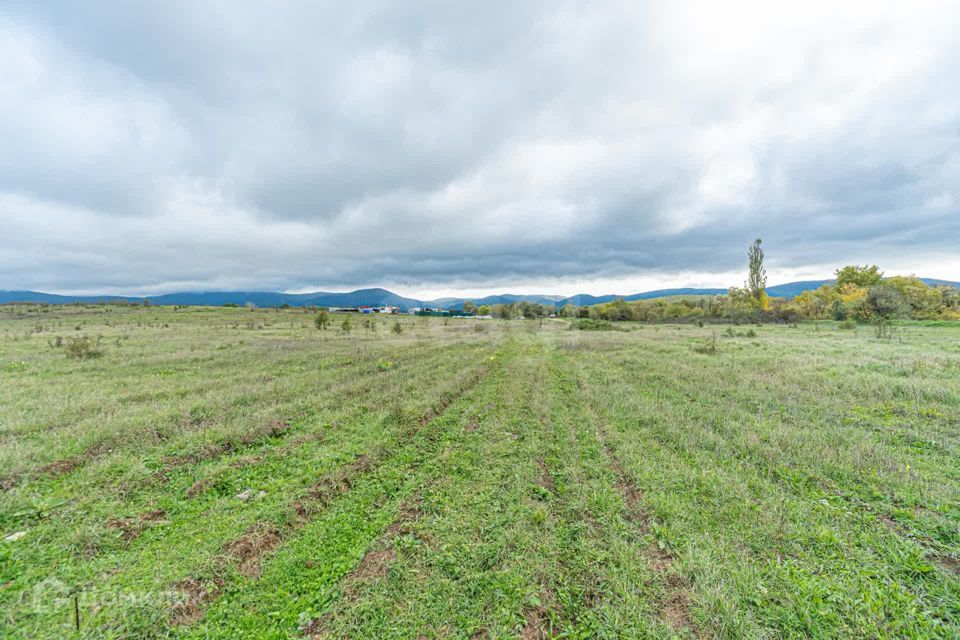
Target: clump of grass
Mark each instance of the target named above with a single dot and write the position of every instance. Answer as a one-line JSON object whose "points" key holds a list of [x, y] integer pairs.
{"points": [[749, 333], [708, 346], [397, 327], [84, 347], [847, 324]]}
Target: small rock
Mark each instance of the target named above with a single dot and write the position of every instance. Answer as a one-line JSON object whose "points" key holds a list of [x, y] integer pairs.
{"points": [[13, 537], [261, 494], [245, 495]]}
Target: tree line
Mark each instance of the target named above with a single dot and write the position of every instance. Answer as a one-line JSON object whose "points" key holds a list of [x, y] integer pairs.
{"points": [[859, 293]]}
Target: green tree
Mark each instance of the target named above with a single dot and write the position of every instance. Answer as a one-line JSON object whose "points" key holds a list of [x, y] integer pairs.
{"points": [[469, 307], [839, 310], [569, 310], [865, 276], [882, 305], [502, 311], [619, 310], [322, 320], [483, 310], [757, 278]]}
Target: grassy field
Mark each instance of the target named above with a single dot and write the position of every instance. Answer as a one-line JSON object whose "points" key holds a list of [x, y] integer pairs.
{"points": [[234, 473]]}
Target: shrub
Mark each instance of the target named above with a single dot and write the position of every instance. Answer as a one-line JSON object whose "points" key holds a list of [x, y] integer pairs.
{"points": [[397, 327], [847, 324], [590, 324], [345, 326], [84, 347], [881, 306], [322, 320], [840, 310]]}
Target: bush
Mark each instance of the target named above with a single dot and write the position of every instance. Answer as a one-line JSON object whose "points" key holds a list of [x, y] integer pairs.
{"points": [[322, 320], [589, 324], [397, 327], [848, 324], [840, 310], [882, 305], [84, 347]]}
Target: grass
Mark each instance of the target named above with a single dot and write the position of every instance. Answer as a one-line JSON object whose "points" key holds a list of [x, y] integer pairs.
{"points": [[224, 473]]}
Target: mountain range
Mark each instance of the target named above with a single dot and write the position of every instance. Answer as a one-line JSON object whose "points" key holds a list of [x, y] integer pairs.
{"points": [[382, 297]]}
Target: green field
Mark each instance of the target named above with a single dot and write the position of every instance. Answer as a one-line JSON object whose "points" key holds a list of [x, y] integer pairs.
{"points": [[234, 473]]}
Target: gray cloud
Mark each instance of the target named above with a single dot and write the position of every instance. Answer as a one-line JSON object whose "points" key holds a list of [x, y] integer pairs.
{"points": [[285, 145]]}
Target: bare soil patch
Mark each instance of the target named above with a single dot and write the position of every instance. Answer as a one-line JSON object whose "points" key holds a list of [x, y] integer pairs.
{"points": [[250, 548]]}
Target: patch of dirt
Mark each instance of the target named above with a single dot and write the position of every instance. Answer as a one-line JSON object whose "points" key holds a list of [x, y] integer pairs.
{"points": [[471, 426], [631, 495], [374, 565], [535, 625], [313, 628], [320, 495], [198, 487], [675, 609], [948, 563], [213, 450], [272, 430], [67, 465], [546, 480], [129, 528], [196, 593], [890, 522], [249, 548], [409, 513], [60, 467], [246, 461]]}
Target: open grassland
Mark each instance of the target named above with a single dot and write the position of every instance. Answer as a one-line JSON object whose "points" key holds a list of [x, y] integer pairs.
{"points": [[234, 473]]}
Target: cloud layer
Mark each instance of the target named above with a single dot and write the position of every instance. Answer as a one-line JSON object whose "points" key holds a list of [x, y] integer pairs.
{"points": [[430, 146]]}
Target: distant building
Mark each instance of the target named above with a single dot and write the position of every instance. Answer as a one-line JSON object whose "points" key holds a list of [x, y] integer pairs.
{"points": [[428, 311], [383, 309]]}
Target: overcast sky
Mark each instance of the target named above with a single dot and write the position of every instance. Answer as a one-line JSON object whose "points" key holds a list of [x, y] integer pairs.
{"points": [[443, 147]]}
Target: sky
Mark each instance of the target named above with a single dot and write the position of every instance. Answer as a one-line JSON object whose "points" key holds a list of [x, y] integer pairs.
{"points": [[447, 148]]}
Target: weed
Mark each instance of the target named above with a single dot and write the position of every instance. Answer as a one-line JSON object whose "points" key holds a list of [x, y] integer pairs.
{"points": [[84, 347], [708, 345]]}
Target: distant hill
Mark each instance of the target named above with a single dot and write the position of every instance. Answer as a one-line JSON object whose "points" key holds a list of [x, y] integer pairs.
{"points": [[504, 298], [372, 297], [383, 297]]}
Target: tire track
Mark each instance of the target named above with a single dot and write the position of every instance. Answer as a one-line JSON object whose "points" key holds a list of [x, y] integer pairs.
{"points": [[674, 607], [248, 551]]}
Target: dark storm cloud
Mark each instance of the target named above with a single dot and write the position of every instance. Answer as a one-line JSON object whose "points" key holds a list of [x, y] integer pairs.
{"points": [[295, 144]]}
